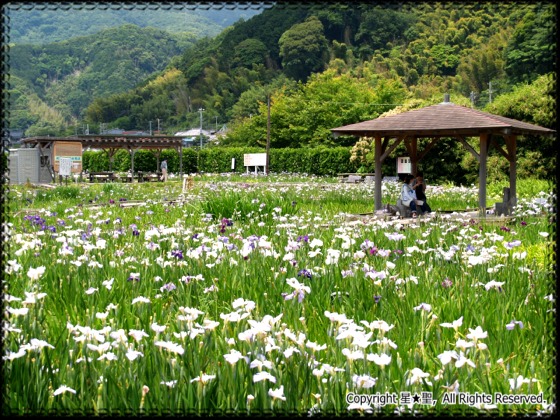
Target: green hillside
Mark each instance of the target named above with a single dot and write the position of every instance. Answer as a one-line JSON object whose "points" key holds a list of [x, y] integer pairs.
{"points": [[68, 75], [44, 23]]}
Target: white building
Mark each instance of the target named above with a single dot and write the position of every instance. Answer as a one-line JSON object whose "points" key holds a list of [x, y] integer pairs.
{"points": [[192, 136]]}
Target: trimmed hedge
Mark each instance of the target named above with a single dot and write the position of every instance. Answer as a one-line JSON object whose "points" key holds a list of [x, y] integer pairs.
{"points": [[315, 161]]}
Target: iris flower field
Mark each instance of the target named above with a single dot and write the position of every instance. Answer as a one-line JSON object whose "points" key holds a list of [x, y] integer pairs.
{"points": [[275, 295]]}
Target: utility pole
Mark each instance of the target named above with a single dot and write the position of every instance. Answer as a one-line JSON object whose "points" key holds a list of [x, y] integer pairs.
{"points": [[158, 125], [268, 134], [216, 124], [490, 92], [150, 128], [472, 99], [201, 110]]}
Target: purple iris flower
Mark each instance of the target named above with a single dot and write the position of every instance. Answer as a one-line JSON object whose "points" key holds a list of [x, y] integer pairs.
{"points": [[177, 253], [169, 287], [305, 273], [446, 283]]}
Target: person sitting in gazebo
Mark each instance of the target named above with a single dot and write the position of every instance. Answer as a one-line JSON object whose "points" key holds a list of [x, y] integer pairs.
{"points": [[419, 187], [408, 197]]}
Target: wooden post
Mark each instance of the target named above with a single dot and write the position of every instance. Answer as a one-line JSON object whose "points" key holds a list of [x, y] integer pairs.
{"points": [[511, 148], [378, 152], [132, 161], [414, 156], [484, 142]]}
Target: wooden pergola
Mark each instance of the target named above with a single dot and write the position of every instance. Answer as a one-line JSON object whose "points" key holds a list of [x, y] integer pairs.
{"points": [[445, 120], [111, 143]]}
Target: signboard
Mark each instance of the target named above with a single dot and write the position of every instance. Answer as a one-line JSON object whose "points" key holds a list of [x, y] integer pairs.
{"points": [[404, 165], [254, 159], [65, 166], [68, 150]]}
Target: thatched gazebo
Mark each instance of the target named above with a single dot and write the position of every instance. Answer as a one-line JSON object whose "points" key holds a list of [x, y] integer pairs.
{"points": [[445, 120]]}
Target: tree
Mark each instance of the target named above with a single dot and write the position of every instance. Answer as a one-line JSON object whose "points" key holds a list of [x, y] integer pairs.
{"points": [[533, 103], [303, 117], [531, 49], [378, 27], [483, 65], [248, 52], [304, 49]]}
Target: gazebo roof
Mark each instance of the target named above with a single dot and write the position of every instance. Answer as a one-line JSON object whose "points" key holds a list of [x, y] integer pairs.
{"points": [[441, 120]]}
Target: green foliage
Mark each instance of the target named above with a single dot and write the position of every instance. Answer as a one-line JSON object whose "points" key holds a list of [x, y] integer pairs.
{"points": [[379, 26], [303, 49], [245, 205], [249, 52], [318, 161], [304, 116], [70, 74], [267, 27], [530, 102], [533, 103], [483, 64], [531, 50], [44, 25]]}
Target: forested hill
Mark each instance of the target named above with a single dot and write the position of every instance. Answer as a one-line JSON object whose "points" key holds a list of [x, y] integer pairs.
{"points": [[66, 76], [44, 23], [348, 55], [323, 64]]}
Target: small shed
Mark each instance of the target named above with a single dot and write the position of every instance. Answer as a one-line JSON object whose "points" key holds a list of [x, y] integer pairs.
{"points": [[27, 165], [445, 120]]}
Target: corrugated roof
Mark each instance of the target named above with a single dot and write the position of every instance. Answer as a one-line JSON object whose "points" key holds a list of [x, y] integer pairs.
{"points": [[105, 141], [193, 132], [443, 119]]}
